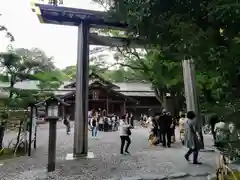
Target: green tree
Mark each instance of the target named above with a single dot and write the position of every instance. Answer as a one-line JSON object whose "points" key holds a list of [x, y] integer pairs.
{"points": [[16, 68], [35, 59], [5, 30], [181, 28], [206, 31], [97, 64], [123, 74], [164, 74], [70, 72]]}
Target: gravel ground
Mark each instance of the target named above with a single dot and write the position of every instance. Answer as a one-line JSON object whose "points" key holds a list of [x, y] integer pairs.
{"points": [[144, 161]]}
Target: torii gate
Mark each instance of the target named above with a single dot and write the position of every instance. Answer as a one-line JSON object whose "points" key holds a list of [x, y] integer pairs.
{"points": [[84, 20]]}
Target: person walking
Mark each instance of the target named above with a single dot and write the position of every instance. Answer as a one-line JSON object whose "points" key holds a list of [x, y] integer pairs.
{"points": [[172, 130], [131, 119], [66, 122], [90, 116], [213, 120], [192, 140], [125, 132], [100, 124], [94, 127], [165, 122]]}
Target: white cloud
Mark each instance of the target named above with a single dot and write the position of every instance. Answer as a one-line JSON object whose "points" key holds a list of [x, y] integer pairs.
{"points": [[57, 41]]}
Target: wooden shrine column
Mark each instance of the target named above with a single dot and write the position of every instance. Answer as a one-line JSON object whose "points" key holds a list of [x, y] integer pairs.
{"points": [[124, 107], [107, 106]]}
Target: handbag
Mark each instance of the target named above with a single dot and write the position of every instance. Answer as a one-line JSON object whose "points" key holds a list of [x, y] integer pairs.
{"points": [[197, 143]]}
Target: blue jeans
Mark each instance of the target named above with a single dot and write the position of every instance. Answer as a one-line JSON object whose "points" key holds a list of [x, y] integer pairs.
{"points": [[94, 131]]}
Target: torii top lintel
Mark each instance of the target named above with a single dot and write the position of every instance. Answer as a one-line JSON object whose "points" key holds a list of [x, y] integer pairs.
{"points": [[73, 17]]}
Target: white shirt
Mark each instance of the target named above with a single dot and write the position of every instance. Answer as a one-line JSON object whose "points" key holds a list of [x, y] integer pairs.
{"points": [[149, 123], [89, 114], [182, 122], [123, 125], [101, 120], [219, 126]]}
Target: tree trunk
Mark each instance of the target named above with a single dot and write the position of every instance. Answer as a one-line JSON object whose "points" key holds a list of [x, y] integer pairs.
{"points": [[166, 101], [19, 134], [178, 104], [168, 104], [2, 130]]}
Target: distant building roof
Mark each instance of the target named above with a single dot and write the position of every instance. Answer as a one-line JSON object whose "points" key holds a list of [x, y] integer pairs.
{"points": [[102, 85], [126, 88], [139, 94], [93, 77], [136, 86], [30, 85]]}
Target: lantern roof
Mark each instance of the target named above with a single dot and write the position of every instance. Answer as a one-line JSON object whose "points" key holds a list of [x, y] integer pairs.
{"points": [[52, 99]]}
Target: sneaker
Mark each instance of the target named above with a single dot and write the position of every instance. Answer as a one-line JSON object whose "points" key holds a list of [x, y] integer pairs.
{"points": [[186, 157], [126, 152]]}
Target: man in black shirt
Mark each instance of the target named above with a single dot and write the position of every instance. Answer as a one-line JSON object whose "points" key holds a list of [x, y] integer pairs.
{"points": [[165, 122]]}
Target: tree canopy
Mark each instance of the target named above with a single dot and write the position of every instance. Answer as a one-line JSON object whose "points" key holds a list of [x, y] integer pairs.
{"points": [[19, 65], [22, 64], [4, 29], [181, 28], [206, 31]]}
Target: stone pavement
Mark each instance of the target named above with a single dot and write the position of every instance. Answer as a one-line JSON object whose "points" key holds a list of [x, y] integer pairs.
{"points": [[144, 163]]}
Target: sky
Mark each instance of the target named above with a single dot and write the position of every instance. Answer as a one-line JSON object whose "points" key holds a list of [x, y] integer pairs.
{"points": [[55, 40]]}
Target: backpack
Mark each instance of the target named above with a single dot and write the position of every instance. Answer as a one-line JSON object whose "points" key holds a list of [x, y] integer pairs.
{"points": [[94, 122]]}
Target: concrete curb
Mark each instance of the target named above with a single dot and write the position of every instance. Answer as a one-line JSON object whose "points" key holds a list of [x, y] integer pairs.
{"points": [[176, 176], [42, 174]]}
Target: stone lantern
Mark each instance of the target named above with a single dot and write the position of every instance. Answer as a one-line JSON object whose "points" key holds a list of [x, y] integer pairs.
{"points": [[52, 116]]}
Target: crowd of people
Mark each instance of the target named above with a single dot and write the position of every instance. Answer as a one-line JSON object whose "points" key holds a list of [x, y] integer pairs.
{"points": [[98, 120], [161, 129]]}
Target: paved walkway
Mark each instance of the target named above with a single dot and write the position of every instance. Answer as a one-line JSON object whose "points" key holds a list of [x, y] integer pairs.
{"points": [[145, 161]]}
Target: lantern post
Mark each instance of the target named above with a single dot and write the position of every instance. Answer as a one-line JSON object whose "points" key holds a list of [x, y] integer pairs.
{"points": [[52, 116]]}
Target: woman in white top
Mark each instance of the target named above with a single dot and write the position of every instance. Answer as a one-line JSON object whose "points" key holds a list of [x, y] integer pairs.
{"points": [[182, 122], [100, 124], [149, 123], [124, 134]]}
